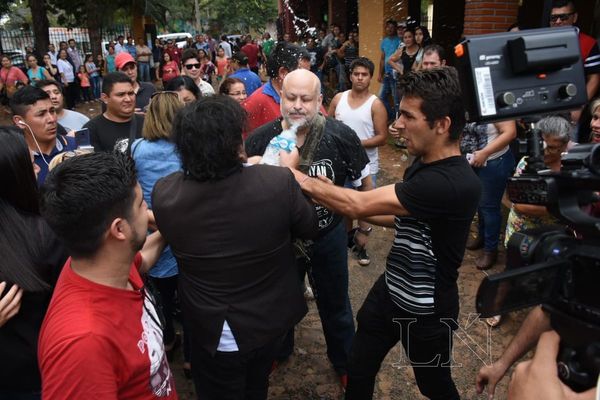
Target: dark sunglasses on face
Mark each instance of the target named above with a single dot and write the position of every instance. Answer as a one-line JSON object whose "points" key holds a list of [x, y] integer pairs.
{"points": [[562, 17], [190, 66]]}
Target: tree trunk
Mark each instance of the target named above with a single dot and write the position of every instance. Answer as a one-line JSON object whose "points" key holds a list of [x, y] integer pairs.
{"points": [[40, 25], [94, 25]]}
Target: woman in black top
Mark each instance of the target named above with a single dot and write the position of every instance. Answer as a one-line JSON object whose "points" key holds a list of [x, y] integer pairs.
{"points": [[31, 261], [403, 59]]}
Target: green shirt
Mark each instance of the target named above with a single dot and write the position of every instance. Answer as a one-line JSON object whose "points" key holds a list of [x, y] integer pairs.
{"points": [[268, 46]]}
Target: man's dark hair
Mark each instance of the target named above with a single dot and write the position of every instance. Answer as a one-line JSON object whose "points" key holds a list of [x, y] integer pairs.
{"points": [[435, 48], [113, 78], [440, 92], [224, 37], [189, 53], [363, 62], [120, 37], [25, 97], [47, 82], [392, 22], [284, 55], [240, 57], [71, 40], [563, 3], [208, 137], [84, 194]]}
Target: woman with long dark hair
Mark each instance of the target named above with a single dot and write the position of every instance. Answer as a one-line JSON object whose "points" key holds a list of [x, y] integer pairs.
{"points": [[31, 261]]}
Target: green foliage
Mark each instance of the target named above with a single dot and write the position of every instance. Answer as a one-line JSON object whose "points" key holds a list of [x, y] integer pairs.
{"points": [[221, 15]]}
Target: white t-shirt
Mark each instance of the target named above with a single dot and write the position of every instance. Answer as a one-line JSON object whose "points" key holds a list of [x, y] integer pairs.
{"points": [[206, 88], [361, 121], [65, 68], [73, 120]]}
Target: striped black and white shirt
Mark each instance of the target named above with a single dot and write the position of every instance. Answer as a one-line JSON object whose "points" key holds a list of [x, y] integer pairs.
{"points": [[428, 247]]}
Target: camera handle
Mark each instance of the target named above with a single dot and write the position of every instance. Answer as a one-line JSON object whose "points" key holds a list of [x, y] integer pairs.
{"points": [[535, 151]]}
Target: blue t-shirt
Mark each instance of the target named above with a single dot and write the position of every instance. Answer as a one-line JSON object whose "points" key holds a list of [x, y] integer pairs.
{"points": [[250, 79], [388, 46], [63, 143]]}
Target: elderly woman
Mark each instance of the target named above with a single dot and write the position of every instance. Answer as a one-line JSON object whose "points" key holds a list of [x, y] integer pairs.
{"points": [[556, 133], [595, 124]]}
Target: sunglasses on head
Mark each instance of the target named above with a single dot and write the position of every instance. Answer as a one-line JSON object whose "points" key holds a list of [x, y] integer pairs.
{"points": [[169, 92], [562, 17], [190, 66]]}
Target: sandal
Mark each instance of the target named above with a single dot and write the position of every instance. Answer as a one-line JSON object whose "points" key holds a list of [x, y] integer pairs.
{"points": [[494, 321]]}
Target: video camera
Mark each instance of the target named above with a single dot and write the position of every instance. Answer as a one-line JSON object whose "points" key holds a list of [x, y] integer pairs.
{"points": [[517, 74]]}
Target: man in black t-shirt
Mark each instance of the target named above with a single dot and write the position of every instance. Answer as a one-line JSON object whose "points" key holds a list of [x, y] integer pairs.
{"points": [[416, 299], [338, 155], [113, 126]]}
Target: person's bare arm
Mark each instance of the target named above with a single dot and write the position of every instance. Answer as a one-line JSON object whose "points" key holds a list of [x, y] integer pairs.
{"points": [[393, 60], [152, 250], [333, 105], [379, 115], [591, 85], [507, 132], [349, 202], [381, 67], [381, 220], [536, 323]]}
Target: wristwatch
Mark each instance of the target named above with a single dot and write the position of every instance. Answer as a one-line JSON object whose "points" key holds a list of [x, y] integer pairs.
{"points": [[365, 232]]}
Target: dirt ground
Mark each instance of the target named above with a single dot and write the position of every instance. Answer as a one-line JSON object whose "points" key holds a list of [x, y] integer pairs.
{"points": [[308, 375]]}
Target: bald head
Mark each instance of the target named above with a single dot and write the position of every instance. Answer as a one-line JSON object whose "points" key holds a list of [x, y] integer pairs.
{"points": [[302, 77], [300, 97]]}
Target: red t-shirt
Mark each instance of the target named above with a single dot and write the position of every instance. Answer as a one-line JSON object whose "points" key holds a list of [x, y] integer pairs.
{"points": [[169, 71], [100, 342], [251, 51], [174, 53], [11, 76]]}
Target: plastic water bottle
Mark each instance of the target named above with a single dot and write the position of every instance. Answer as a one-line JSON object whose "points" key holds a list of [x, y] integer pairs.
{"points": [[286, 140]]}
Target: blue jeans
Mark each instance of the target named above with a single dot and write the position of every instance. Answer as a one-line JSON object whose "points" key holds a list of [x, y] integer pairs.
{"points": [[96, 86], [329, 272], [144, 71], [388, 86], [493, 180]]}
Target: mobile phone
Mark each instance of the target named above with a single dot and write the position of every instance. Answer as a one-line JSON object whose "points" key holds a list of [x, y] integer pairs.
{"points": [[82, 138]]}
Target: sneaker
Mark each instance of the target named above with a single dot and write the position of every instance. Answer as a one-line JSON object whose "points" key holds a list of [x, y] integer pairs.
{"points": [[362, 256]]}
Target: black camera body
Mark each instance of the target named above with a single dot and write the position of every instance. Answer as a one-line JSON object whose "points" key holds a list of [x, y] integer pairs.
{"points": [[509, 76], [514, 74]]}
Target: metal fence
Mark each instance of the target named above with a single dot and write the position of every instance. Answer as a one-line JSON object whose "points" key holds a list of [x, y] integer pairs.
{"points": [[16, 41]]}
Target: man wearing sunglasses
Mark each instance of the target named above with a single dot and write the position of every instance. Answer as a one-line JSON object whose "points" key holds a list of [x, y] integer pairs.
{"points": [[564, 14], [191, 67]]}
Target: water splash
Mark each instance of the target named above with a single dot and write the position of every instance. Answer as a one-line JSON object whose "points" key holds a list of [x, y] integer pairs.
{"points": [[297, 21]]}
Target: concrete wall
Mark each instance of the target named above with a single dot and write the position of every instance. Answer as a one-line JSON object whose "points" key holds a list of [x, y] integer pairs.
{"points": [[372, 15]]}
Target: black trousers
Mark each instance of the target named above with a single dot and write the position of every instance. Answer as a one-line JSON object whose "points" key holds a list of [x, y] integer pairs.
{"points": [[71, 94], [235, 375], [427, 341]]}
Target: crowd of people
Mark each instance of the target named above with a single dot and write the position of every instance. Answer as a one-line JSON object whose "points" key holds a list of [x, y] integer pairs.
{"points": [[165, 209]]}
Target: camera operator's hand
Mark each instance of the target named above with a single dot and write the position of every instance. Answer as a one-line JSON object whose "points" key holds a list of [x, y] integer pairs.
{"points": [[538, 378], [489, 376]]}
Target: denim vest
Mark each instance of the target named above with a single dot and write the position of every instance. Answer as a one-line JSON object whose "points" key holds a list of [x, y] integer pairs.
{"points": [[154, 160]]}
